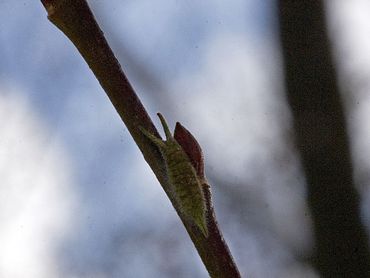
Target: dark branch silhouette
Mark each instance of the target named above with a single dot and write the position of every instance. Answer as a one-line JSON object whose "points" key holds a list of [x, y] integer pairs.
{"points": [[321, 136]]}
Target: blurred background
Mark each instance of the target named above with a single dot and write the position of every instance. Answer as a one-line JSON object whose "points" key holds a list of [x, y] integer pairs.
{"points": [[77, 198]]}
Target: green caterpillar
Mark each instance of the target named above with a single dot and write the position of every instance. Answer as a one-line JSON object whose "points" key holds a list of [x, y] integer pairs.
{"points": [[182, 176]]}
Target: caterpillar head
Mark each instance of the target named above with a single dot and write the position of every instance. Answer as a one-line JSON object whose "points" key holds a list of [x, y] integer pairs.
{"points": [[158, 141]]}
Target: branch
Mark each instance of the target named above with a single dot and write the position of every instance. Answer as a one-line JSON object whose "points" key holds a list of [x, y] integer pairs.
{"points": [[75, 19], [322, 139]]}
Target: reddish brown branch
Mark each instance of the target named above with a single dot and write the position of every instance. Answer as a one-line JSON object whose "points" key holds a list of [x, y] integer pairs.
{"points": [[75, 19]]}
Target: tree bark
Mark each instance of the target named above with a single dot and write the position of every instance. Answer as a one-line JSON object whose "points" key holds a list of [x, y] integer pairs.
{"points": [[321, 136]]}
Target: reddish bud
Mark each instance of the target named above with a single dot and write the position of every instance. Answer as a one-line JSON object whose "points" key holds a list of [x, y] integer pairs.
{"points": [[191, 147]]}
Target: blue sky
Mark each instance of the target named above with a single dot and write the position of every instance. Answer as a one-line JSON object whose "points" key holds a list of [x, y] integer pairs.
{"points": [[212, 65]]}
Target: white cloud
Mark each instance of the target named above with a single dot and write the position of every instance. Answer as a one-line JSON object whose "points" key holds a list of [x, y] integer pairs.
{"points": [[234, 97], [349, 24], [36, 200]]}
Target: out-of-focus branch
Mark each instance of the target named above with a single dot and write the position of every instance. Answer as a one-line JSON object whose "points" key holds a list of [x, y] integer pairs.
{"points": [[75, 19], [321, 136]]}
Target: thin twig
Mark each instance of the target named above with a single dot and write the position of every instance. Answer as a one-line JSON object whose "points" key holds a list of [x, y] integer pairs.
{"points": [[75, 19]]}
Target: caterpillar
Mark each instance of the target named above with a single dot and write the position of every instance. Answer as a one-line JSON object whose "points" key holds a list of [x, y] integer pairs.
{"points": [[182, 176]]}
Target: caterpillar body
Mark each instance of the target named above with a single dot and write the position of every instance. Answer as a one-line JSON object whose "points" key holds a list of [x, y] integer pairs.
{"points": [[183, 177]]}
